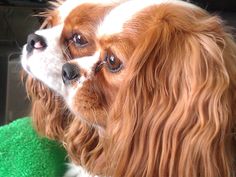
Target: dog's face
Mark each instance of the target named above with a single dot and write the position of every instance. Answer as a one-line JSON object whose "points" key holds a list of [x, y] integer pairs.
{"points": [[160, 78], [73, 37], [152, 73], [92, 82]]}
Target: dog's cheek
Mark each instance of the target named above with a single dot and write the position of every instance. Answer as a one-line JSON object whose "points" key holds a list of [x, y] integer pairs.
{"points": [[87, 105]]}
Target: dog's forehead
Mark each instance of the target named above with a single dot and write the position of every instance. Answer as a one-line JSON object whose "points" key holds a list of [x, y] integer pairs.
{"points": [[69, 5], [114, 21]]}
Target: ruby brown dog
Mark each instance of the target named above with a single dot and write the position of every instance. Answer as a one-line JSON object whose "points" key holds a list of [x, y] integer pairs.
{"points": [[166, 71], [52, 47]]}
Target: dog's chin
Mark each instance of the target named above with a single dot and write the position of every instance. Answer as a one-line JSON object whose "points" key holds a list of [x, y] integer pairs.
{"points": [[94, 117], [86, 105]]}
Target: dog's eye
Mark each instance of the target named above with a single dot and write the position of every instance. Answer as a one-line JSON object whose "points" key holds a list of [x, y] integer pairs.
{"points": [[79, 40], [113, 63]]}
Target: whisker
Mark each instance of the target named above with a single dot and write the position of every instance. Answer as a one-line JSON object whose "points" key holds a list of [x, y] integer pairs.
{"points": [[66, 51]]}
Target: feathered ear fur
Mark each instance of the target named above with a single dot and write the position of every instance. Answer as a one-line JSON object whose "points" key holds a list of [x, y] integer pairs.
{"points": [[175, 113], [84, 146], [52, 119], [49, 114]]}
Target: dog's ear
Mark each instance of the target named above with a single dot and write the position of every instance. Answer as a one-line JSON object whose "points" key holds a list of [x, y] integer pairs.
{"points": [[49, 115], [84, 146], [173, 115]]}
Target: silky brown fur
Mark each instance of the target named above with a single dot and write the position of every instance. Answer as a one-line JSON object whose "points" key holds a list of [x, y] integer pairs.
{"points": [[169, 113], [174, 115]]}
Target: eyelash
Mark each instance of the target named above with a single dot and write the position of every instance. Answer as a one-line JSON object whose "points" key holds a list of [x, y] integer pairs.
{"points": [[109, 63], [113, 63], [79, 40]]}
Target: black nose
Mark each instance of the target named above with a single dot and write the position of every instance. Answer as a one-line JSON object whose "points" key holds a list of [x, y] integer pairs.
{"points": [[35, 41], [70, 72]]}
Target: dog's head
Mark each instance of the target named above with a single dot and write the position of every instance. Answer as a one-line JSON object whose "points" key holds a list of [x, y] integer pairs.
{"points": [[158, 77], [47, 50], [70, 36], [162, 83]]}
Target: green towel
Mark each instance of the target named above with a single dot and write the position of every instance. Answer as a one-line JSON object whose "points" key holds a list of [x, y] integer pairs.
{"points": [[25, 154]]}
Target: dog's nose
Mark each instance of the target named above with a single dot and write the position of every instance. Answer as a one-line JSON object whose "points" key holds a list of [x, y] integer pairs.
{"points": [[70, 72], [35, 41]]}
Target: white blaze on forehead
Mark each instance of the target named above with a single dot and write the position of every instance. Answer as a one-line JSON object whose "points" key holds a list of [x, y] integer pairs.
{"points": [[51, 34], [69, 5], [87, 63], [115, 20]]}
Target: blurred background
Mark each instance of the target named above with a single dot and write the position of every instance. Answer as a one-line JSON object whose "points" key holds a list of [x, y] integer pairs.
{"points": [[17, 21]]}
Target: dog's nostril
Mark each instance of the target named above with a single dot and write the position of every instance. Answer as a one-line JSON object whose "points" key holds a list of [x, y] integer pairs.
{"points": [[70, 72], [32, 43], [35, 41], [64, 74]]}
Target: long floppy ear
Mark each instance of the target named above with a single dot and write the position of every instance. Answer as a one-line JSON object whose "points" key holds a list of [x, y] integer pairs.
{"points": [[175, 114], [84, 146], [49, 114]]}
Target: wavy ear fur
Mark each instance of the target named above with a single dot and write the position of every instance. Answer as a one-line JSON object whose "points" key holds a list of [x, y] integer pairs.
{"points": [[49, 114], [175, 114], [51, 119], [84, 146]]}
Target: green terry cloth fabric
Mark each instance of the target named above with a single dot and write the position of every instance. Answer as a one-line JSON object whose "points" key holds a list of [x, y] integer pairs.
{"points": [[25, 154]]}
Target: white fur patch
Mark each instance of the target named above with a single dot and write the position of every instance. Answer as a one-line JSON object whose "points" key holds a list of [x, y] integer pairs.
{"points": [[87, 63], [77, 171], [46, 64], [69, 5], [115, 20]]}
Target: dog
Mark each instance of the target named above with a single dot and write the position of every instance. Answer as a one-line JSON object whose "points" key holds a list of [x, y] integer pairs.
{"points": [[53, 47], [158, 90], [166, 73]]}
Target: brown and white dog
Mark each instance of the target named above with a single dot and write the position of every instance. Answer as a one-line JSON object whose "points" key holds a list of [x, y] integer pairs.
{"points": [[52, 47], [156, 85]]}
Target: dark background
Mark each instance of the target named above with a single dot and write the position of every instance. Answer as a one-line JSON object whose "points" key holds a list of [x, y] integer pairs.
{"points": [[17, 21]]}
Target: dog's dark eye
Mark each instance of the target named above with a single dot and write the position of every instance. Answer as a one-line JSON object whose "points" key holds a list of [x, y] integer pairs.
{"points": [[113, 63], [79, 40]]}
